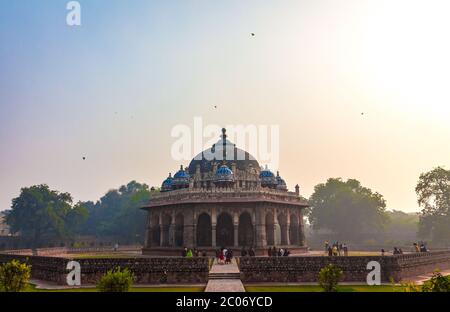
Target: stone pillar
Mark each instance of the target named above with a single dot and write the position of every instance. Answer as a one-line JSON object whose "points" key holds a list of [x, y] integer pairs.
{"points": [[172, 231], [236, 229], [161, 230], [189, 233], [288, 239], [213, 235], [276, 232], [213, 227], [260, 227]]}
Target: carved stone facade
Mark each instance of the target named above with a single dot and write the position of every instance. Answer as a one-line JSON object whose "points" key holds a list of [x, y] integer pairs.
{"points": [[224, 199]]}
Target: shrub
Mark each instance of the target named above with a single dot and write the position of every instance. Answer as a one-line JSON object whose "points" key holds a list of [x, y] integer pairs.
{"points": [[14, 276], [116, 280], [437, 283], [329, 277]]}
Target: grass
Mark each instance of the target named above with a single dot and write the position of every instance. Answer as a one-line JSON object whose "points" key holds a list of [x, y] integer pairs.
{"points": [[32, 288], [316, 288]]}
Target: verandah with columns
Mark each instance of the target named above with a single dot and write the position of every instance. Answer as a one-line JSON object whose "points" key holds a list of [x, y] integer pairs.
{"points": [[221, 226]]}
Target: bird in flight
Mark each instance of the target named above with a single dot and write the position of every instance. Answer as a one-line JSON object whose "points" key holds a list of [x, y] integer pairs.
{"points": [[253, 34], [84, 158]]}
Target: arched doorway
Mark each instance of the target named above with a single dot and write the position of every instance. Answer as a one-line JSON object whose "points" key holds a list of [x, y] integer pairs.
{"points": [[179, 228], [282, 221], [204, 230], [224, 230], [156, 231], [269, 229], [166, 221], [294, 230], [245, 230]]}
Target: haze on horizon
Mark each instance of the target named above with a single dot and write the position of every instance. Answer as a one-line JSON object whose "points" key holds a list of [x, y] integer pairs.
{"points": [[359, 89]]}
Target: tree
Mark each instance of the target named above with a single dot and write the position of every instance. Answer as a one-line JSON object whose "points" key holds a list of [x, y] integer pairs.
{"points": [[329, 277], [118, 213], [433, 196], [347, 209], [41, 214], [14, 276], [116, 280], [437, 283]]}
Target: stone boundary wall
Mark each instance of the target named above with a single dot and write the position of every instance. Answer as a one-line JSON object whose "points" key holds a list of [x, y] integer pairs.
{"points": [[306, 269], [147, 270], [68, 250]]}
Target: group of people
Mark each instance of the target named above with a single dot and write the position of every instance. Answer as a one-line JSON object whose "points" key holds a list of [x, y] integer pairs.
{"points": [[189, 253], [420, 247], [278, 252], [224, 255], [336, 249], [250, 252]]}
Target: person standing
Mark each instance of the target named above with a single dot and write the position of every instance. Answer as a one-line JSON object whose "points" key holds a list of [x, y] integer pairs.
{"points": [[344, 246], [189, 253]]}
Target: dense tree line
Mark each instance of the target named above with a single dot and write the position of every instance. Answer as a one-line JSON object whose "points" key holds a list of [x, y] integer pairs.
{"points": [[41, 215], [344, 209]]}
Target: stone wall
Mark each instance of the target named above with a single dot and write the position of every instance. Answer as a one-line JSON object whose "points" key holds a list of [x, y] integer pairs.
{"points": [[147, 270], [306, 269]]}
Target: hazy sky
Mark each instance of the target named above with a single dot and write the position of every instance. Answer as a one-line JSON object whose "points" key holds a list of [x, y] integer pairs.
{"points": [[112, 89]]}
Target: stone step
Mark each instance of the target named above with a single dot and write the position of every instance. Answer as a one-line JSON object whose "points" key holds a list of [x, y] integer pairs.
{"points": [[224, 276]]}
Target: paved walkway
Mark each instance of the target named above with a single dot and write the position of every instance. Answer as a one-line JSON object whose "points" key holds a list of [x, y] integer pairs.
{"points": [[224, 278]]}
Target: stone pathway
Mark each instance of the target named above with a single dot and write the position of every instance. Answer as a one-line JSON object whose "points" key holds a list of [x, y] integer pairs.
{"points": [[224, 278]]}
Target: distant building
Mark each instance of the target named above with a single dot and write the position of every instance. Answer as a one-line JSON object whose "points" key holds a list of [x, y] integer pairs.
{"points": [[4, 228]]}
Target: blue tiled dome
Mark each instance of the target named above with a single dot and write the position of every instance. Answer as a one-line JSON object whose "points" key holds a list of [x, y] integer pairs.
{"points": [[224, 175], [281, 184], [180, 179], [167, 184], [267, 178]]}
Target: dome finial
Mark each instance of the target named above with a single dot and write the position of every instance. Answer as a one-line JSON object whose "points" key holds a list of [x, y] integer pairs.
{"points": [[181, 167], [224, 134]]}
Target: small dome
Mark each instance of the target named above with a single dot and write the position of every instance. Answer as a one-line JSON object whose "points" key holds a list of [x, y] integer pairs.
{"points": [[281, 184], [180, 179], [267, 178], [167, 184], [224, 175]]}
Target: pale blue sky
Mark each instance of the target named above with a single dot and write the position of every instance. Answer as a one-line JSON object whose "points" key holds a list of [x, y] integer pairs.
{"points": [[113, 88]]}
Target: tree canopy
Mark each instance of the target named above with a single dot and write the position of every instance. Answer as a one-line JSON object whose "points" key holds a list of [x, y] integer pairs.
{"points": [[117, 213], [347, 209], [433, 196], [41, 214]]}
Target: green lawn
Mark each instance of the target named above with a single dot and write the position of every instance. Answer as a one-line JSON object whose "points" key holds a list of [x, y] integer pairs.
{"points": [[32, 288], [315, 288]]}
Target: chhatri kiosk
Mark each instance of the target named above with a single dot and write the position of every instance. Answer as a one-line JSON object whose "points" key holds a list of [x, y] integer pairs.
{"points": [[224, 199]]}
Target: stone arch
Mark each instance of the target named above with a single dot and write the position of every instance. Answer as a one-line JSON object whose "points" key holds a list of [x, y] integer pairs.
{"points": [[282, 221], [166, 221], [179, 230], [204, 230], [245, 230], [270, 229], [294, 230], [156, 231], [224, 230]]}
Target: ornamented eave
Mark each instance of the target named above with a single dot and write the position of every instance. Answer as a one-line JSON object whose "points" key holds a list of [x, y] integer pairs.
{"points": [[225, 195]]}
